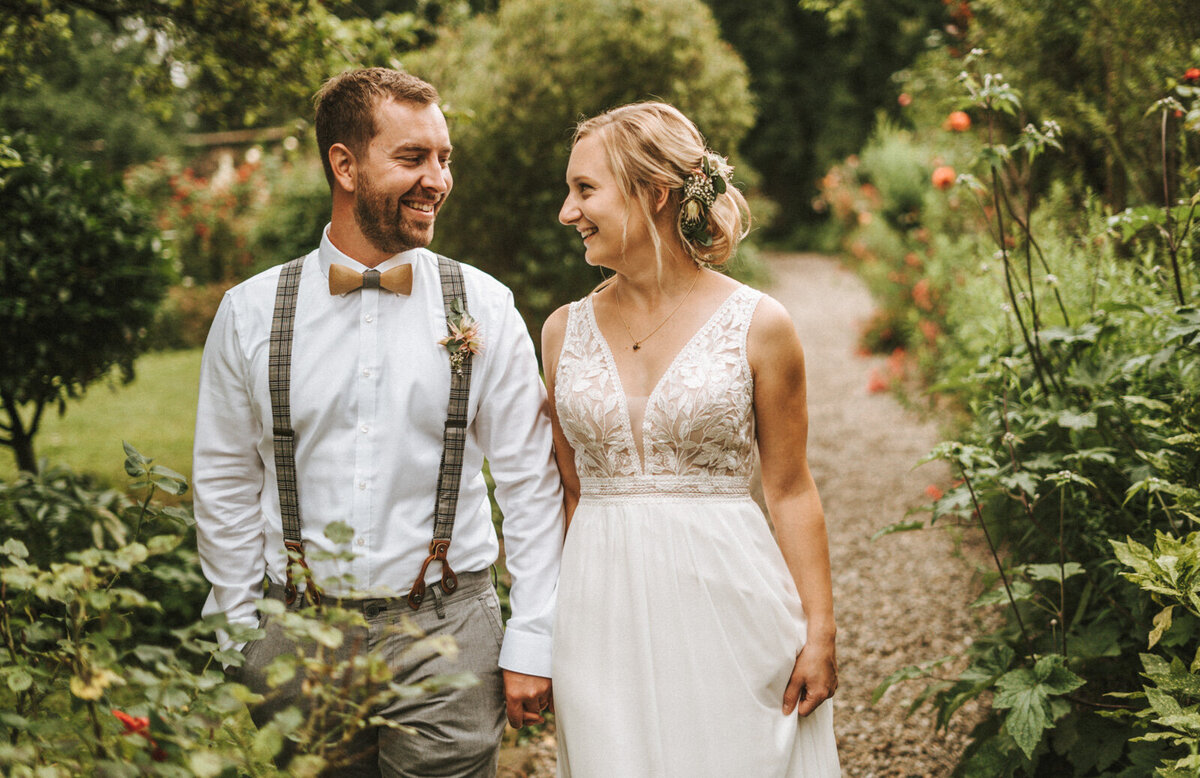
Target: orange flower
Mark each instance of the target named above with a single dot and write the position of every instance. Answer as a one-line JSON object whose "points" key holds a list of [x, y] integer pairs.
{"points": [[905, 99], [1191, 74], [922, 295], [958, 121], [933, 493], [944, 177]]}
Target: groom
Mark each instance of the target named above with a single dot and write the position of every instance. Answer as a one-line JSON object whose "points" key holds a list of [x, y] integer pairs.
{"points": [[331, 390]]}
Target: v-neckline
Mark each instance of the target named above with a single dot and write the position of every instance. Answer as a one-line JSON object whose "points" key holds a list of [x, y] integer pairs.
{"points": [[623, 396]]}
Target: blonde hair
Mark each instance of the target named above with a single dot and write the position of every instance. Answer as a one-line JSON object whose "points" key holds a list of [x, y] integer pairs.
{"points": [[652, 147]]}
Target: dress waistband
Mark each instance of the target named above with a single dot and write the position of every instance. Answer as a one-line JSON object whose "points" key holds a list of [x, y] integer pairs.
{"points": [[672, 488]]}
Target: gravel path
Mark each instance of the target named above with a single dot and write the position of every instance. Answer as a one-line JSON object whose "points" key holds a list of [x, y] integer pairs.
{"points": [[900, 600]]}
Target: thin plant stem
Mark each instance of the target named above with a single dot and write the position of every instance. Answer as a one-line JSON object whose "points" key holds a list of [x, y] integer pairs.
{"points": [[1172, 248], [996, 557]]}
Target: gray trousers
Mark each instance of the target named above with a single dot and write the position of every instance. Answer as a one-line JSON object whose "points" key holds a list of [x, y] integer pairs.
{"points": [[457, 731]]}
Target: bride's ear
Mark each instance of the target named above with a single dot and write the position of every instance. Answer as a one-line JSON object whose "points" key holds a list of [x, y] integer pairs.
{"points": [[662, 196]]}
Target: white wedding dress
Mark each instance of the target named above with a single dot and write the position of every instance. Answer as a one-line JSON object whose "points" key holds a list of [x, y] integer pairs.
{"points": [[678, 623]]}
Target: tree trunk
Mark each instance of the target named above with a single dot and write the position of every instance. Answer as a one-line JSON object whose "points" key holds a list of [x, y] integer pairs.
{"points": [[20, 438]]}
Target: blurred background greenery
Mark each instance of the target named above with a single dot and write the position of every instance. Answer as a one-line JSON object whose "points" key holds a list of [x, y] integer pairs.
{"points": [[199, 114]]}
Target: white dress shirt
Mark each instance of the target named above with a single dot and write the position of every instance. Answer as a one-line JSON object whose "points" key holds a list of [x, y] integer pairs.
{"points": [[370, 390]]}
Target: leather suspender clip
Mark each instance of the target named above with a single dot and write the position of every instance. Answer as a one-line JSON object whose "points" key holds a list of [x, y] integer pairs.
{"points": [[295, 555], [437, 552]]}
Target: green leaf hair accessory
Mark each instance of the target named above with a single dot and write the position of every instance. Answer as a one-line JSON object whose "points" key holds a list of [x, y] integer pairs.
{"points": [[700, 190]]}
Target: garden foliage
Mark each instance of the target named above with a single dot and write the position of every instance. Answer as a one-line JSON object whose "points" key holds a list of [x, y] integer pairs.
{"points": [[108, 670], [1067, 334], [80, 276], [512, 122]]}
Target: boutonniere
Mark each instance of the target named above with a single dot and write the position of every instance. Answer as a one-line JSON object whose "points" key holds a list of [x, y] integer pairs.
{"points": [[464, 337]]}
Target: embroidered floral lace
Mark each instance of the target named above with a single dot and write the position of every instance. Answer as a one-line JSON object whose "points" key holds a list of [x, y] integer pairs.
{"points": [[697, 433]]}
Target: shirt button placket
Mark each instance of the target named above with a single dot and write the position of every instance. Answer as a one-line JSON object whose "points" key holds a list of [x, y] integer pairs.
{"points": [[368, 359]]}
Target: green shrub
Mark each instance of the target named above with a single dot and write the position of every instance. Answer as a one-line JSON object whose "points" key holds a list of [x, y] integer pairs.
{"points": [[512, 120], [107, 671], [80, 277]]}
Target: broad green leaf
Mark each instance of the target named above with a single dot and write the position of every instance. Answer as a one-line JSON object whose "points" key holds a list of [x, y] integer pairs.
{"points": [[1028, 712], [1077, 421], [1162, 623], [19, 680], [1052, 571], [1021, 591], [206, 764], [900, 526], [1054, 677], [339, 532]]}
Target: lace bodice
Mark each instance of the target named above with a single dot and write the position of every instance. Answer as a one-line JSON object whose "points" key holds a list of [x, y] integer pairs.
{"points": [[698, 427]]}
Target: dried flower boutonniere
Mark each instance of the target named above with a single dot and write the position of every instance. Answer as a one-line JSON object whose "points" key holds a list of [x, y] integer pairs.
{"points": [[464, 337]]}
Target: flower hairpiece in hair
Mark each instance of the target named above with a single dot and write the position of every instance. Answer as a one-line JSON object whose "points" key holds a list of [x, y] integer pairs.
{"points": [[700, 191]]}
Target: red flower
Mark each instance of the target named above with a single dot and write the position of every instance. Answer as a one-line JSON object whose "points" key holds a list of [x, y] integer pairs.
{"points": [[933, 493], [140, 725], [905, 99], [944, 177], [134, 725], [876, 383], [1191, 74], [958, 121]]}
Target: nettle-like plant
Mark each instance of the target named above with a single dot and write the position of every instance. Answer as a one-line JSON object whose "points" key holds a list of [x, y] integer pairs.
{"points": [[86, 688], [1086, 426]]}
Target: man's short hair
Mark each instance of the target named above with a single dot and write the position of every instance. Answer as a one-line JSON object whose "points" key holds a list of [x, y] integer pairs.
{"points": [[346, 107]]}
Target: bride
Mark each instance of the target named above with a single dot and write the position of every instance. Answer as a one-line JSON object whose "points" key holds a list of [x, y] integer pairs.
{"points": [[689, 641]]}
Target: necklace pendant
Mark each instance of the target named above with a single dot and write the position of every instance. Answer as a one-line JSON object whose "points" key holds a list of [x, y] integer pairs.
{"points": [[637, 346]]}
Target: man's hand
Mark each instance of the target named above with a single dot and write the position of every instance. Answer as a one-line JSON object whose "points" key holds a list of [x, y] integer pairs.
{"points": [[526, 697]]}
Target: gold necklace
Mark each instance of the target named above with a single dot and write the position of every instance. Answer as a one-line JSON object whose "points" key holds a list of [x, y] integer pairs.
{"points": [[637, 343]]}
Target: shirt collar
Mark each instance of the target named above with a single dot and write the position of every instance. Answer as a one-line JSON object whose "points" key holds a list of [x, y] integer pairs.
{"points": [[329, 254]]}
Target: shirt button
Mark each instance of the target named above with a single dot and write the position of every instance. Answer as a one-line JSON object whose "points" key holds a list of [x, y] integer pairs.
{"points": [[361, 542], [364, 429], [362, 484], [367, 372], [369, 318]]}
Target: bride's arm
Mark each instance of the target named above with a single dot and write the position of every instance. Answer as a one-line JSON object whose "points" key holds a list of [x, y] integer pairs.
{"points": [[552, 339], [781, 420]]}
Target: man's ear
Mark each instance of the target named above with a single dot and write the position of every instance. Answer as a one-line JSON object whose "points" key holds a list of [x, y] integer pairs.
{"points": [[344, 166]]}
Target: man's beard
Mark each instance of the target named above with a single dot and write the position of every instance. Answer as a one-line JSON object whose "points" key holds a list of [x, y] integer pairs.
{"points": [[382, 222]]}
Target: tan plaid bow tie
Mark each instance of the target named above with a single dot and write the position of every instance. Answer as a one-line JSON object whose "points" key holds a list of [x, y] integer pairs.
{"points": [[343, 279]]}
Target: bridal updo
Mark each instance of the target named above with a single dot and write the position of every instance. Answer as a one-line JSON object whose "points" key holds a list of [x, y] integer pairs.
{"points": [[653, 147]]}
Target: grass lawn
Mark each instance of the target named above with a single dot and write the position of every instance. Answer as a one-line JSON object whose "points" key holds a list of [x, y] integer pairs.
{"points": [[155, 413]]}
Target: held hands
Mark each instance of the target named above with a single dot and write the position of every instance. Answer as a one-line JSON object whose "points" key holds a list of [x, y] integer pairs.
{"points": [[814, 680], [526, 696]]}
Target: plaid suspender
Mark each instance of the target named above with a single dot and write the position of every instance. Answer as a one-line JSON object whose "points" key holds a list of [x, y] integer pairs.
{"points": [[279, 380], [454, 442]]}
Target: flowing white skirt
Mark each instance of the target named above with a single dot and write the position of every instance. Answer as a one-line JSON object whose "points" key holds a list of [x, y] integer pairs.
{"points": [[678, 626]]}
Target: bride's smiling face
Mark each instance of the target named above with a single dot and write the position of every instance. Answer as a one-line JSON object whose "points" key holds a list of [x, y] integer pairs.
{"points": [[608, 221]]}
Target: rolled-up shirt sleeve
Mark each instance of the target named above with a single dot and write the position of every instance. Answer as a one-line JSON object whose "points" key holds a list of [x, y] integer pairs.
{"points": [[512, 428], [228, 475]]}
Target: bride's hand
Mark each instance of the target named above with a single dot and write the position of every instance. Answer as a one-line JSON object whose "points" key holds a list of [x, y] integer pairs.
{"points": [[814, 680]]}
